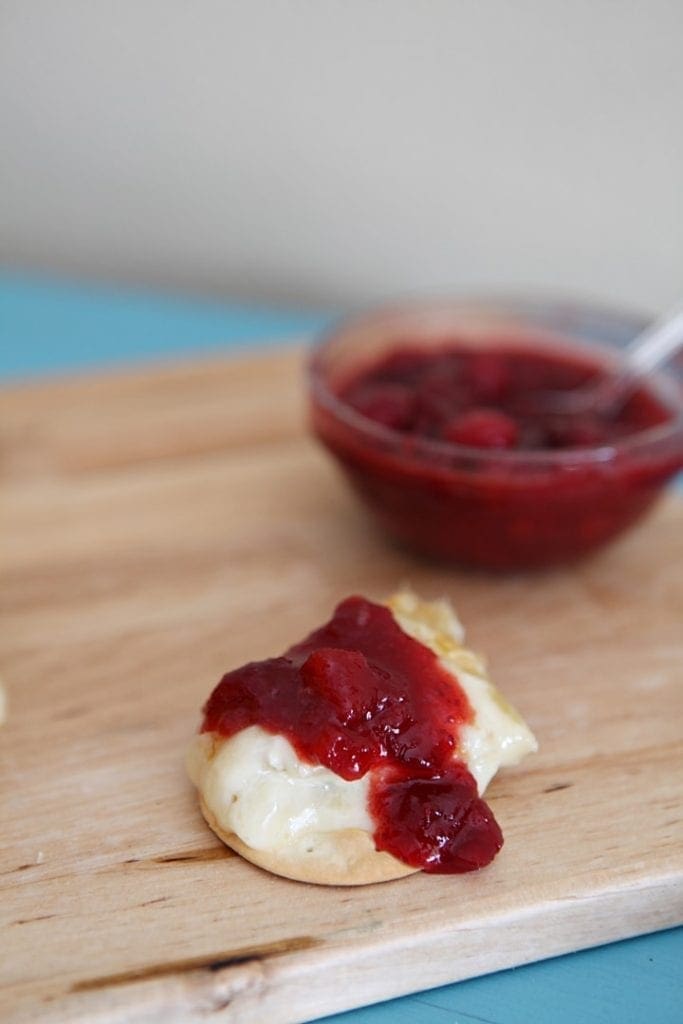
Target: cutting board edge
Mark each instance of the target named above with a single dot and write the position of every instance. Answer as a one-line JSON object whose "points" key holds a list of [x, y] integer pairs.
{"points": [[296, 987]]}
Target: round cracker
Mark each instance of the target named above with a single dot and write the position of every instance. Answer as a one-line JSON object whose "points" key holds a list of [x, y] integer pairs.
{"points": [[344, 857]]}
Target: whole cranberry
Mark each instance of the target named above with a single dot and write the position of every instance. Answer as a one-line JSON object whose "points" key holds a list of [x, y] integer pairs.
{"points": [[482, 428]]}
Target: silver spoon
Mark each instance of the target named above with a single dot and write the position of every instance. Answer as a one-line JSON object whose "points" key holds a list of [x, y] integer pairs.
{"points": [[650, 349]]}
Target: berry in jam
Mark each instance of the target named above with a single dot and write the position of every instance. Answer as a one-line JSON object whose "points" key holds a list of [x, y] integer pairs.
{"points": [[482, 428]]}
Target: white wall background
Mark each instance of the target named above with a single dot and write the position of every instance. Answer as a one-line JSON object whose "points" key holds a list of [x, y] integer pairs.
{"points": [[343, 150]]}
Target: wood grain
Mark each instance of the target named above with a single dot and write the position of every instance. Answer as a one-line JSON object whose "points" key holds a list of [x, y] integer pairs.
{"points": [[161, 526]]}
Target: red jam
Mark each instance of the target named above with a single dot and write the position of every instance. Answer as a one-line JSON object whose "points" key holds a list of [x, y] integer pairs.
{"points": [[475, 469], [358, 695], [486, 399]]}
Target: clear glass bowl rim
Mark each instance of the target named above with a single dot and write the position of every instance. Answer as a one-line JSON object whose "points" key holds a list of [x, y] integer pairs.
{"points": [[521, 308]]}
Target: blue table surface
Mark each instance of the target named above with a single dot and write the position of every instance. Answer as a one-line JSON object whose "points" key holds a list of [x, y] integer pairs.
{"points": [[48, 326]]}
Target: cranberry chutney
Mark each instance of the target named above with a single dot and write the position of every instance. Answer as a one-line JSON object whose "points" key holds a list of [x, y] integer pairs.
{"points": [[360, 695], [431, 414]]}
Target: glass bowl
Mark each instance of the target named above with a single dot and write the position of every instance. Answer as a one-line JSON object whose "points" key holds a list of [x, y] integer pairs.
{"points": [[498, 510]]}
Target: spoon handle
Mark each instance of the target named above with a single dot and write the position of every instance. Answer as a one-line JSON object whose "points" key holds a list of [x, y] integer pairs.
{"points": [[656, 344], [650, 349]]}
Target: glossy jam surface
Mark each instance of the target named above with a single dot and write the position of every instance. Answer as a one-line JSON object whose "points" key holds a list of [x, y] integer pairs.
{"points": [[475, 470], [358, 695], [495, 399]]}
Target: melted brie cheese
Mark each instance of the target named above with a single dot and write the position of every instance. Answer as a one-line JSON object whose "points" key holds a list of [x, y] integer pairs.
{"points": [[256, 786]]}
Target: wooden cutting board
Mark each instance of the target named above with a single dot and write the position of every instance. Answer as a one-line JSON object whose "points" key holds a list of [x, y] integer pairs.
{"points": [[161, 526]]}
